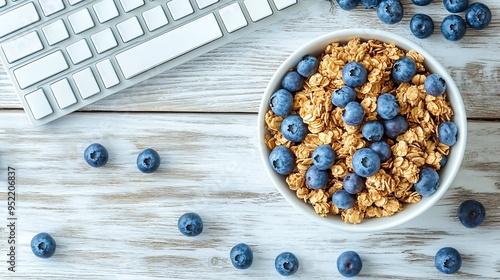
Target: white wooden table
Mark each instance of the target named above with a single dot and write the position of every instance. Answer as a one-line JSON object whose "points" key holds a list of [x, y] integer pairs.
{"points": [[117, 223]]}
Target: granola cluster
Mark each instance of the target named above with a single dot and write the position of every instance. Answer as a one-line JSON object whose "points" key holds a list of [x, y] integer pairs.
{"points": [[387, 191]]}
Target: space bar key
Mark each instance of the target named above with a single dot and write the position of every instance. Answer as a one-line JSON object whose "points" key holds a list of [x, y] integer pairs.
{"points": [[167, 46]]}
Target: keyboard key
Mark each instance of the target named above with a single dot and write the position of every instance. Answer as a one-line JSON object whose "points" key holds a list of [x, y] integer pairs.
{"points": [[50, 7], [107, 73], [168, 46], [74, 2], [86, 83], [22, 47], [55, 32], [40, 69], [63, 93], [129, 29], [81, 21], [233, 17], [155, 18], [105, 10], [79, 51], [3, 3], [202, 4], [104, 40], [258, 9], [18, 18], [38, 103], [129, 5], [282, 4], [180, 8]]}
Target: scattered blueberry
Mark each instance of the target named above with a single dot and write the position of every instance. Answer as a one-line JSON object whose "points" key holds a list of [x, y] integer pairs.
{"points": [[387, 106], [428, 182], [421, 2], [281, 102], [353, 183], [190, 224], [315, 178], [382, 149], [471, 213], [395, 126], [96, 155], [443, 161], [293, 128], [323, 157], [435, 85], [347, 4], [403, 70], [241, 256], [343, 200], [292, 81], [343, 95], [448, 260], [368, 4], [353, 113], [308, 66], [456, 6], [390, 11], [354, 74], [43, 245], [286, 264], [453, 27], [349, 264], [148, 161], [447, 133], [365, 162], [282, 160], [478, 16], [422, 26], [373, 131]]}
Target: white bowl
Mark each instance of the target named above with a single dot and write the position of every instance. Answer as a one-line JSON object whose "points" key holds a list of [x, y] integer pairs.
{"points": [[447, 174]]}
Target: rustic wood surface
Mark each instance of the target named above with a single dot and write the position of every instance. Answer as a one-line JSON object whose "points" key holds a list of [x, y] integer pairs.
{"points": [[117, 223]]}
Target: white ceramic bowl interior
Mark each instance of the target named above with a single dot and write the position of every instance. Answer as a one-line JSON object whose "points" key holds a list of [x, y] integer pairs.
{"points": [[447, 174]]}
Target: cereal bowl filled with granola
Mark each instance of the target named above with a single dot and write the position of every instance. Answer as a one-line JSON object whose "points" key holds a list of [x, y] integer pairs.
{"points": [[362, 130]]}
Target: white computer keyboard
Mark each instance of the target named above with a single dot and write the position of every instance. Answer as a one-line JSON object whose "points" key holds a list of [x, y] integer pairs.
{"points": [[62, 55]]}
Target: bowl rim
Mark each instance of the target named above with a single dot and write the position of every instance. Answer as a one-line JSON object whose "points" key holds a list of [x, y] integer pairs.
{"points": [[316, 47]]}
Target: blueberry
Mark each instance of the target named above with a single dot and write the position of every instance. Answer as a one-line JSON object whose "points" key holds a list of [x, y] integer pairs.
{"points": [[368, 4], [353, 183], [43, 245], [282, 160], [453, 27], [421, 2], [395, 126], [292, 81], [281, 102], [315, 178], [293, 128], [307, 66], [323, 157], [448, 260], [403, 70], [148, 161], [353, 113], [349, 264], [382, 149], [390, 11], [435, 85], [422, 26], [241, 256], [428, 182], [373, 131], [478, 16], [190, 224], [96, 155], [471, 213], [347, 4], [343, 200], [365, 162], [456, 6], [343, 95], [354, 74], [443, 161], [286, 264], [447, 133], [387, 106]]}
